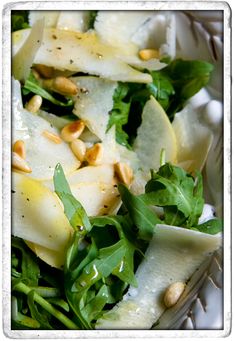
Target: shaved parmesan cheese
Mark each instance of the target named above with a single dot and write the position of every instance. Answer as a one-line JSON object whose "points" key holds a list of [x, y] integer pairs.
{"points": [[110, 147], [18, 39], [193, 139], [23, 59], [73, 20], [173, 255], [74, 51], [93, 103], [112, 28], [50, 17], [159, 33], [154, 134], [32, 201], [42, 154]]}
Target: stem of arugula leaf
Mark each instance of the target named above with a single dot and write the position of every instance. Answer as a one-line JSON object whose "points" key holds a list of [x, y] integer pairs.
{"points": [[21, 287]]}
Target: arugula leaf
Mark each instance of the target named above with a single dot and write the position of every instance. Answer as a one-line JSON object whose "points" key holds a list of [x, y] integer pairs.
{"points": [[119, 113], [172, 86], [73, 209], [141, 215], [29, 269], [212, 226], [178, 193], [19, 20], [33, 85], [187, 78], [92, 17]]}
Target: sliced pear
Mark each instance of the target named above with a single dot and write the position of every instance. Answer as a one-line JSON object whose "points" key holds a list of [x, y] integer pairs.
{"points": [[154, 134], [193, 139], [54, 258], [23, 59], [38, 215], [173, 255], [42, 154], [97, 198], [89, 174], [94, 102], [95, 187]]}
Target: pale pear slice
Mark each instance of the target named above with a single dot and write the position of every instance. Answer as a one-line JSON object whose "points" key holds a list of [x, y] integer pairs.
{"points": [[89, 174], [154, 134], [74, 51], [38, 215], [54, 258], [23, 58], [97, 198], [193, 139], [93, 102], [42, 154], [173, 255]]}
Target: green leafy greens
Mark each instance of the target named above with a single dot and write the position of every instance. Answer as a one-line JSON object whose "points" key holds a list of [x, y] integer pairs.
{"points": [[19, 20], [172, 86]]}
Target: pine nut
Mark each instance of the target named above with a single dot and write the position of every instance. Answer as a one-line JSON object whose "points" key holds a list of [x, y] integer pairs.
{"points": [[94, 154], [20, 164], [147, 54], [45, 71], [72, 131], [34, 104], [79, 149], [62, 85], [52, 137], [19, 148], [173, 293], [124, 172]]}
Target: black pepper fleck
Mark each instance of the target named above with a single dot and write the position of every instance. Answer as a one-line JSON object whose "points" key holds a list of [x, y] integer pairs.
{"points": [[54, 36], [27, 199], [59, 48], [22, 216], [105, 206], [71, 61], [13, 191]]}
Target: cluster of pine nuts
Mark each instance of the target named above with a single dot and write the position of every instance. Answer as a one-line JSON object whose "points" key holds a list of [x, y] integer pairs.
{"points": [[18, 157]]}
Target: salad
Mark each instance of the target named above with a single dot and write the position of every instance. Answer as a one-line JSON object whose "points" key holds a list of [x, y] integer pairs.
{"points": [[116, 179]]}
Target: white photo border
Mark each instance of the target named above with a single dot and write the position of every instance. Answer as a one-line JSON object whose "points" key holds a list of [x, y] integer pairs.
{"points": [[6, 167]]}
